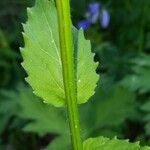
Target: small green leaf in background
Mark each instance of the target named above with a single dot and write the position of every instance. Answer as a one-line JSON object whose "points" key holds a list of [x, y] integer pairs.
{"points": [[140, 79], [102, 143], [43, 118], [42, 59], [110, 110], [120, 103]]}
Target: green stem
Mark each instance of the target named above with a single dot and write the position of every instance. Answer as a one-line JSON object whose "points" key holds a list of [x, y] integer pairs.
{"points": [[66, 44]]}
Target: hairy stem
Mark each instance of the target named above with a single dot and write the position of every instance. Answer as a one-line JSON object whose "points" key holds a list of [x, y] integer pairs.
{"points": [[66, 44]]}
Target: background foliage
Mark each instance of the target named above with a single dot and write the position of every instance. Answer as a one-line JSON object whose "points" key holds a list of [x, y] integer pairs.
{"points": [[121, 105]]}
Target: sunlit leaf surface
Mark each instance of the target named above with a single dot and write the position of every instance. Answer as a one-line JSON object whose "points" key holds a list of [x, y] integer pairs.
{"points": [[42, 59]]}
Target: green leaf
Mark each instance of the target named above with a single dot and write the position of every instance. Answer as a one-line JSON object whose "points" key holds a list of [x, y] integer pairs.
{"points": [[40, 118], [140, 79], [44, 118], [110, 108], [102, 143], [115, 106], [42, 59]]}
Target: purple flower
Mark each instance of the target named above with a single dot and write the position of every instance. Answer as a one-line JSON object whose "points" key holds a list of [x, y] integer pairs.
{"points": [[93, 8], [93, 15], [104, 18], [93, 12], [84, 24]]}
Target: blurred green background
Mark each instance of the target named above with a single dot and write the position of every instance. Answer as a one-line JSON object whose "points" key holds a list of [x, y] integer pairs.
{"points": [[121, 105]]}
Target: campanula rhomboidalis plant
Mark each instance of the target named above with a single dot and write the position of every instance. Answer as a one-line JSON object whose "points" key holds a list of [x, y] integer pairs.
{"points": [[60, 66]]}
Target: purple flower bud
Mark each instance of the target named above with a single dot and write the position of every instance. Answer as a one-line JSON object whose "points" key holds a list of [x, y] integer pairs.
{"points": [[104, 18], [84, 24], [93, 12], [93, 8]]}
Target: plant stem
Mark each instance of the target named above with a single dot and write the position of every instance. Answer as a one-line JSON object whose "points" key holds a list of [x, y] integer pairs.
{"points": [[66, 45]]}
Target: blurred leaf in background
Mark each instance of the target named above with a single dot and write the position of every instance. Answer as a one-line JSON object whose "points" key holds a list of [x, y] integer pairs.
{"points": [[110, 110], [140, 78], [43, 118]]}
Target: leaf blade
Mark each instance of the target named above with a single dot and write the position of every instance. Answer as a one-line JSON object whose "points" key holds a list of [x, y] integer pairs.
{"points": [[103, 143], [42, 59]]}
